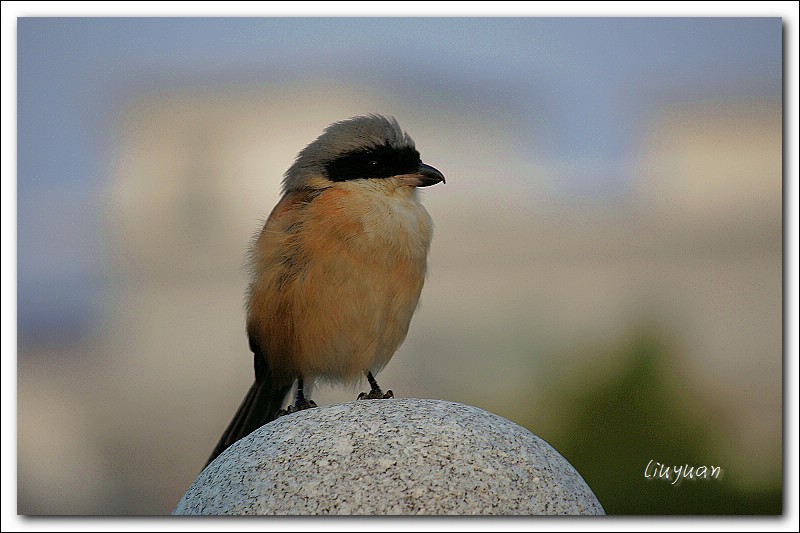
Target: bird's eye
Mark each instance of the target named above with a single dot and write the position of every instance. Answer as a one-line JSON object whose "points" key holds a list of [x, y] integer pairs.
{"points": [[374, 164]]}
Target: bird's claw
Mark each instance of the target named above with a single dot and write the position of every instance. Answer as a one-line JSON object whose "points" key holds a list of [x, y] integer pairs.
{"points": [[299, 405], [376, 394]]}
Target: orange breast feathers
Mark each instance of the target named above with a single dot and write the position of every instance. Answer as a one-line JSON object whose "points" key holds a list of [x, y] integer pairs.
{"points": [[336, 275]]}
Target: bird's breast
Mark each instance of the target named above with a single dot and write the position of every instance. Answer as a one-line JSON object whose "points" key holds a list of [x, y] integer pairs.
{"points": [[364, 279]]}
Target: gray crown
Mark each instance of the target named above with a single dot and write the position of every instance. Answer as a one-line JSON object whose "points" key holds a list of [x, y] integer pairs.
{"points": [[342, 137]]}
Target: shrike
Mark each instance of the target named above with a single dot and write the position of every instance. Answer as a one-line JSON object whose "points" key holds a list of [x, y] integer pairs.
{"points": [[338, 267]]}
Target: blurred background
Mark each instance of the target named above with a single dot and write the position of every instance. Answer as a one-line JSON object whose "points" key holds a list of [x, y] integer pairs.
{"points": [[606, 266]]}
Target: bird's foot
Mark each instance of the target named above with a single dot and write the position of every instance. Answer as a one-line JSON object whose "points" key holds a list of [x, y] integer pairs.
{"points": [[299, 405], [376, 394]]}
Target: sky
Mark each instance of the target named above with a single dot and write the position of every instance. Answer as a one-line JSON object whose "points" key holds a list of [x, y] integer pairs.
{"points": [[73, 73]]}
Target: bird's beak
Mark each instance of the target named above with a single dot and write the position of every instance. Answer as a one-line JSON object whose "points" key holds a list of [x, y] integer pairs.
{"points": [[427, 175]]}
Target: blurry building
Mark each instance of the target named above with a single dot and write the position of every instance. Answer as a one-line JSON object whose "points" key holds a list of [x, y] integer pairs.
{"points": [[519, 276]]}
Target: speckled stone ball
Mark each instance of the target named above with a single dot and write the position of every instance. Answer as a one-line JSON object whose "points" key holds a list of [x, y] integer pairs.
{"points": [[390, 457]]}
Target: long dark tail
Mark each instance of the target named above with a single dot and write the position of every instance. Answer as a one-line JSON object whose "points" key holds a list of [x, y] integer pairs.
{"points": [[260, 406]]}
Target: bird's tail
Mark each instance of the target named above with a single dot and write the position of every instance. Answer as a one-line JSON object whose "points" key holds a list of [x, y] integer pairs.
{"points": [[261, 405]]}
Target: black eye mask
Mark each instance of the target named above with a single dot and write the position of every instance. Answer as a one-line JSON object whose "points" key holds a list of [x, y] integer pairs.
{"points": [[376, 162]]}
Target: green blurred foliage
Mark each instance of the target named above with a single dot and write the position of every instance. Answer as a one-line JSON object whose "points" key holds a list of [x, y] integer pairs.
{"points": [[609, 428]]}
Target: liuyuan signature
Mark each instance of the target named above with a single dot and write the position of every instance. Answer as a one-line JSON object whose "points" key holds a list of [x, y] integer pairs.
{"points": [[677, 473]]}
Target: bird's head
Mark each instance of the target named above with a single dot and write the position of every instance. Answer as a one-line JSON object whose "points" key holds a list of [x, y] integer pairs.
{"points": [[370, 147]]}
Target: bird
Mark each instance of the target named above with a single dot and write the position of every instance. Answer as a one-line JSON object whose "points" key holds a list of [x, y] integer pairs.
{"points": [[337, 270]]}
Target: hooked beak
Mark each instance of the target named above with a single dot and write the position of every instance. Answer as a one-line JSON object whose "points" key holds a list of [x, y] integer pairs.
{"points": [[427, 175]]}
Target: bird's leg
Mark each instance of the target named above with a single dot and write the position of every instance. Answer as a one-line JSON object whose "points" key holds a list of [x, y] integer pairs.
{"points": [[376, 393], [300, 401]]}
